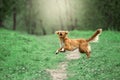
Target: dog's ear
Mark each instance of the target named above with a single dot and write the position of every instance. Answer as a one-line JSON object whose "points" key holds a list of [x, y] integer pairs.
{"points": [[66, 32], [56, 32]]}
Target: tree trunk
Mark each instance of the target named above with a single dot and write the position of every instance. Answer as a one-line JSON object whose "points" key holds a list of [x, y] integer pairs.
{"points": [[69, 15], [1, 23], [14, 18], [43, 29], [60, 16], [33, 27]]}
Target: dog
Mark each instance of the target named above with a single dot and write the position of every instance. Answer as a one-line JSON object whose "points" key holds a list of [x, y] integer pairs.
{"points": [[72, 44]]}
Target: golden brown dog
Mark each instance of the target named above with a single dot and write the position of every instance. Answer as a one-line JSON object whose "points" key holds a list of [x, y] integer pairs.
{"points": [[72, 44]]}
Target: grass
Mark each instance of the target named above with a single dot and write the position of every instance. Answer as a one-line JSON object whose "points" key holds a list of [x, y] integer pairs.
{"points": [[26, 57]]}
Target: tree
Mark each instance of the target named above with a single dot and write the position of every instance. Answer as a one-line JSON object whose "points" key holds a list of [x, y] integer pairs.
{"points": [[10, 8], [60, 17], [14, 18], [5, 7], [110, 10], [42, 27], [70, 15]]}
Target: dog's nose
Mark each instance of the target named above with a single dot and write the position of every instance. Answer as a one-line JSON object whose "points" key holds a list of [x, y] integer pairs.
{"points": [[60, 34]]}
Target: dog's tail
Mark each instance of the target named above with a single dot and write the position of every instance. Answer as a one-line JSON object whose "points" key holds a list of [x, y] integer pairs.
{"points": [[95, 36]]}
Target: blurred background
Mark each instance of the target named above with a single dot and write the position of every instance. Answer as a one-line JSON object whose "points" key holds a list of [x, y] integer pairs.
{"points": [[41, 17]]}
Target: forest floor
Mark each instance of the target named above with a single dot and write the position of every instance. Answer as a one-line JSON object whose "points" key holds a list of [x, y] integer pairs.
{"points": [[29, 57]]}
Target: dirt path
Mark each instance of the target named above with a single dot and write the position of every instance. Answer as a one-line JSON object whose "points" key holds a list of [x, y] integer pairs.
{"points": [[60, 72], [71, 55]]}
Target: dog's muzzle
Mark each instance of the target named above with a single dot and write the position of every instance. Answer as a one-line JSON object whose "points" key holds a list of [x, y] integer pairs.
{"points": [[60, 34]]}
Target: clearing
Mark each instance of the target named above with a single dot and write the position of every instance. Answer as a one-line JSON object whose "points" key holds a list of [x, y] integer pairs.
{"points": [[29, 57]]}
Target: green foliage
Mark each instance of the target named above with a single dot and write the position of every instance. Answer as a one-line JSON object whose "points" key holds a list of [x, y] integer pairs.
{"points": [[42, 17], [110, 11], [25, 57], [7, 7]]}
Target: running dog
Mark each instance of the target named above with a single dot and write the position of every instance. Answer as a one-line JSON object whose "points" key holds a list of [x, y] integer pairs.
{"points": [[72, 44]]}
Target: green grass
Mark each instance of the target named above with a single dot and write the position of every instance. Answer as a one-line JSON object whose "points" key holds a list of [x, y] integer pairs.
{"points": [[26, 57]]}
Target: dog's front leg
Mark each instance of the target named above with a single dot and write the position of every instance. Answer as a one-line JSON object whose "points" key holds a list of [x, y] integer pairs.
{"points": [[68, 48], [64, 48], [60, 50]]}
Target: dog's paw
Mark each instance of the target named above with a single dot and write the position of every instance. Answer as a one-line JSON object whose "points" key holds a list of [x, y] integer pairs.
{"points": [[57, 52], [62, 50]]}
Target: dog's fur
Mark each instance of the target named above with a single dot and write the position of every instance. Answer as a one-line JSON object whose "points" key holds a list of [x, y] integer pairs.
{"points": [[72, 44]]}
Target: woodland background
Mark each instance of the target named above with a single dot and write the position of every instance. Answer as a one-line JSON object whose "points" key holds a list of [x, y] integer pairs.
{"points": [[41, 17]]}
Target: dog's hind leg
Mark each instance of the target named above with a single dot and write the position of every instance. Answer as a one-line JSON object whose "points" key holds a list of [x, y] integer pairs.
{"points": [[85, 48], [88, 51], [88, 54]]}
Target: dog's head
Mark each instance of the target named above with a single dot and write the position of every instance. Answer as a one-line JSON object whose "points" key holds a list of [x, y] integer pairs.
{"points": [[61, 34]]}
